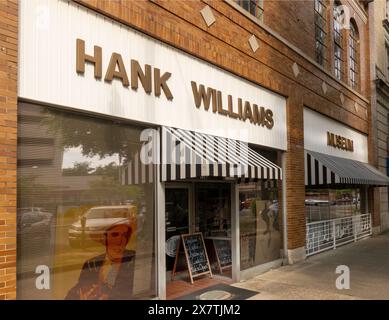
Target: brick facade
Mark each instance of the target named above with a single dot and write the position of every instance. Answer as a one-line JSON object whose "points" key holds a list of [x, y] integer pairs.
{"points": [[8, 138], [225, 44]]}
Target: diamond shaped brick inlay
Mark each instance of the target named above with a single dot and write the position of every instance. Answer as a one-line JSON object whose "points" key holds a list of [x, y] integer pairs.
{"points": [[254, 45], [295, 69], [208, 16], [324, 87]]}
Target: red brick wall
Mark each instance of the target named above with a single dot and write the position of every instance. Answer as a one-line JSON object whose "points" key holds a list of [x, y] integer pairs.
{"points": [[8, 138]]}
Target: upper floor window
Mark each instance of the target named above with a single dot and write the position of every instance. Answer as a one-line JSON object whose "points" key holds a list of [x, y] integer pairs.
{"points": [[320, 31], [338, 40], [387, 59], [387, 138], [386, 9], [255, 7], [353, 51]]}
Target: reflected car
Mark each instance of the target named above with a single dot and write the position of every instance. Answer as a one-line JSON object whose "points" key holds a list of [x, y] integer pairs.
{"points": [[34, 221], [92, 224]]}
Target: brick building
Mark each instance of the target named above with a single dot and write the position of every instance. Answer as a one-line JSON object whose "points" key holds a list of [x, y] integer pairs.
{"points": [[256, 119]]}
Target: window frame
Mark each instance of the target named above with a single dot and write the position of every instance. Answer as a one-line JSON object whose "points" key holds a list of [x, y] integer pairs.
{"points": [[353, 56], [320, 19], [338, 44], [257, 5]]}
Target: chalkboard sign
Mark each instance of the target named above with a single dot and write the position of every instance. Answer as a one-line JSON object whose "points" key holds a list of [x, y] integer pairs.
{"points": [[223, 253], [196, 255]]}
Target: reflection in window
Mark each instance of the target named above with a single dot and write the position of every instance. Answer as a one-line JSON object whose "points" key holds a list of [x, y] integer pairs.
{"points": [[75, 216], [260, 223], [353, 50], [320, 31], [338, 39], [326, 204]]}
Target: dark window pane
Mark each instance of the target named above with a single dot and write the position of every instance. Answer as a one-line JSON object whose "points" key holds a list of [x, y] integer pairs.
{"points": [[254, 7]]}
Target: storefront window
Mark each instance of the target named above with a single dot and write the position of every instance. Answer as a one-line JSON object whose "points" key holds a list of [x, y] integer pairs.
{"points": [[326, 204], [82, 232], [260, 223]]}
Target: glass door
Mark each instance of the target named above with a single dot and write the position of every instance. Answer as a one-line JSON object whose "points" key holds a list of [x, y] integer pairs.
{"points": [[176, 219], [213, 220]]}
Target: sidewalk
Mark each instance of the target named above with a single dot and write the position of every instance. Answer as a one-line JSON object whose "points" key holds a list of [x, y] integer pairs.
{"points": [[315, 278]]}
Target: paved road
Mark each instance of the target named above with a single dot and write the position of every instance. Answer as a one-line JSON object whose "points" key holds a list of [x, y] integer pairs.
{"points": [[315, 278]]}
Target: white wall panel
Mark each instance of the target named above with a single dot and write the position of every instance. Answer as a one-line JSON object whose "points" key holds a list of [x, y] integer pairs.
{"points": [[316, 126], [48, 33]]}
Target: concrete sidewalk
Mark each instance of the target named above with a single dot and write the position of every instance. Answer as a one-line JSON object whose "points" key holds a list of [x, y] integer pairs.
{"points": [[315, 278]]}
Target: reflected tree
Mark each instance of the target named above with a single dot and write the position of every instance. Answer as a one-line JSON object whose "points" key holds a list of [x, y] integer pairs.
{"points": [[96, 137], [78, 169]]}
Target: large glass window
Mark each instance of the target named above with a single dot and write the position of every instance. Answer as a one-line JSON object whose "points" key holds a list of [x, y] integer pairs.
{"points": [[260, 223], [260, 219], [86, 233], [326, 204]]}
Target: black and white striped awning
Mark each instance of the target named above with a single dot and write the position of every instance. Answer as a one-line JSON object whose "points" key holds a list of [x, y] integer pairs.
{"points": [[322, 169], [187, 154], [136, 172]]}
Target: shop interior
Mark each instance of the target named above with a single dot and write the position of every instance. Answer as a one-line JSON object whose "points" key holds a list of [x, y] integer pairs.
{"points": [[197, 208], [205, 208]]}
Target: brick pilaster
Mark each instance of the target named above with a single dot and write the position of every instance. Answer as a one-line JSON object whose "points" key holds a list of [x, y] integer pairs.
{"points": [[8, 145], [294, 174]]}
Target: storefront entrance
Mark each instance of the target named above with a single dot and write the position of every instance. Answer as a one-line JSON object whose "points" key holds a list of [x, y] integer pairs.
{"points": [[201, 208]]}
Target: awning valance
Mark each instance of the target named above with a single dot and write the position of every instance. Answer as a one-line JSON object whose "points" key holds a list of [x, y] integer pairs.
{"points": [[188, 154], [136, 172], [323, 169]]}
